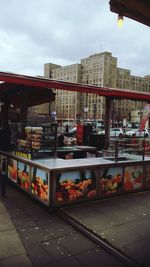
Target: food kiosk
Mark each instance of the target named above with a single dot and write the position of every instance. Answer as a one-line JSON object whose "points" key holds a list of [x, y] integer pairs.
{"points": [[55, 181]]}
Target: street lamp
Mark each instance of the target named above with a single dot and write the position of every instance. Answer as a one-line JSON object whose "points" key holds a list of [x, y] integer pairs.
{"points": [[120, 21]]}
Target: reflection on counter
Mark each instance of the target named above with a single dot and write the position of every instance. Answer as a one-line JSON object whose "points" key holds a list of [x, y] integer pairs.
{"points": [[75, 185], [39, 184]]}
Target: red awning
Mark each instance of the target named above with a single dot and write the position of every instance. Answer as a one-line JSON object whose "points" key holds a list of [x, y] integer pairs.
{"points": [[35, 94], [39, 89]]}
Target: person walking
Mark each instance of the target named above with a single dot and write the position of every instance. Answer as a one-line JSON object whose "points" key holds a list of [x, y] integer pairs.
{"points": [[67, 128]]}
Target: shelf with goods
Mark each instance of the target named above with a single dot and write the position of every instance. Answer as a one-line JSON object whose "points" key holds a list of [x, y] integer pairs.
{"points": [[30, 143], [37, 142], [34, 137], [49, 136]]}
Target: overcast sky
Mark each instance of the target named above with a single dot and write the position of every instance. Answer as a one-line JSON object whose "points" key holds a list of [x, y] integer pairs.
{"points": [[34, 32]]}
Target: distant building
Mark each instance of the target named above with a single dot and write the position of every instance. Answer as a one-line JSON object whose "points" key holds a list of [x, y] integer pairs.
{"points": [[99, 70]]}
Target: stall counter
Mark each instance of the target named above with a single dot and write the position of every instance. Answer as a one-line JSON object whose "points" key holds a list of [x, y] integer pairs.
{"points": [[58, 182]]}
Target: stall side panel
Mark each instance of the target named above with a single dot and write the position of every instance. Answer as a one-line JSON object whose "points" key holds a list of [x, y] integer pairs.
{"points": [[133, 178], [12, 169], [40, 184], [111, 181], [23, 176], [74, 186]]}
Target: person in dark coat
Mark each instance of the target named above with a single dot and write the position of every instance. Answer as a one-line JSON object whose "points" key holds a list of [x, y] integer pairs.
{"points": [[61, 140], [5, 139], [67, 128]]}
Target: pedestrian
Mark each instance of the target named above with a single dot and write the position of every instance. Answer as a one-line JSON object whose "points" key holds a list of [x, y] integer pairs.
{"points": [[5, 139], [67, 128], [3, 178], [60, 140]]}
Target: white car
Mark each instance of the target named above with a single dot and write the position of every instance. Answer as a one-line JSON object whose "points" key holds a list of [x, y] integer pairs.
{"points": [[101, 131], [137, 133], [114, 132]]}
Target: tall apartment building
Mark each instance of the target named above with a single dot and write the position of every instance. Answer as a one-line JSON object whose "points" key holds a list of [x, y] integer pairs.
{"points": [[67, 103], [121, 108], [133, 83], [99, 70]]}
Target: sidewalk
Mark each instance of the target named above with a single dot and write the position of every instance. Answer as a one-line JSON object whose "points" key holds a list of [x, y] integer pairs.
{"points": [[30, 234], [124, 222], [48, 240], [12, 251]]}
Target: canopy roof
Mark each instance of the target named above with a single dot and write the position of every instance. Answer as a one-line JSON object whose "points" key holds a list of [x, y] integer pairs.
{"points": [[138, 10], [13, 92], [38, 89]]}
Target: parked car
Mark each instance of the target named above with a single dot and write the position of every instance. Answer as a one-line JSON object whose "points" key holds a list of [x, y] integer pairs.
{"points": [[72, 132], [114, 132], [138, 133], [101, 131]]}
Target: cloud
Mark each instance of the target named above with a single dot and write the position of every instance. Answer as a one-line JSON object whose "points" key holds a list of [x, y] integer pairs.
{"points": [[39, 31]]}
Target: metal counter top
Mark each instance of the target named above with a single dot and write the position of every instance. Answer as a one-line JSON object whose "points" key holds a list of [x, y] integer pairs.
{"points": [[53, 164]]}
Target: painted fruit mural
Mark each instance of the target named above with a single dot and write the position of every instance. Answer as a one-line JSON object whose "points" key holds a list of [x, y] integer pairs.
{"points": [[133, 177], [111, 180], [23, 175], [75, 185], [39, 184], [12, 169]]}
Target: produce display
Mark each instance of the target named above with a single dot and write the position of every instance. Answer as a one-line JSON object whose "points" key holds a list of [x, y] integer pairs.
{"points": [[33, 138], [33, 130], [23, 143]]}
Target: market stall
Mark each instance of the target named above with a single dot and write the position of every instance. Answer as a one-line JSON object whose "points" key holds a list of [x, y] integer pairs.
{"points": [[56, 181]]}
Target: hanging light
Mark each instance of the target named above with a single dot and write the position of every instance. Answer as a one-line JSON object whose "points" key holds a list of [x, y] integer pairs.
{"points": [[120, 21]]}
